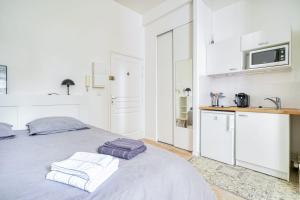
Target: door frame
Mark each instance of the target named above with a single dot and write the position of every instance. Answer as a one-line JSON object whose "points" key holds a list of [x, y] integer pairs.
{"points": [[109, 91]]}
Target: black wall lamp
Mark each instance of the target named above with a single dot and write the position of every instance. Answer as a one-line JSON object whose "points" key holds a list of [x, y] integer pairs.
{"points": [[68, 82], [188, 90]]}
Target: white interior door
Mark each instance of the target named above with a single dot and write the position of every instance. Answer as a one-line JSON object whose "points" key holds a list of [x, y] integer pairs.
{"points": [[126, 96], [165, 114]]}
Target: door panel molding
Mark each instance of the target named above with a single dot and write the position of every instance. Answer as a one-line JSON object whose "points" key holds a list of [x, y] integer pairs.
{"points": [[126, 97]]}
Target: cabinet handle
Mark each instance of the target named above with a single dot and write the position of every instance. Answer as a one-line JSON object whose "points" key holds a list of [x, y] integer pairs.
{"points": [[263, 43], [232, 69], [240, 115], [228, 123]]}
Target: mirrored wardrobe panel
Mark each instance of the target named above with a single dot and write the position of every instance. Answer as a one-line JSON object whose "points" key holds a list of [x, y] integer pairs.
{"points": [[183, 87], [184, 93], [3, 79]]}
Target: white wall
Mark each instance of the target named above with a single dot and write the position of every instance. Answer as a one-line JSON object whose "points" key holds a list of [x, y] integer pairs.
{"points": [[202, 34], [171, 20], [249, 16], [44, 42]]}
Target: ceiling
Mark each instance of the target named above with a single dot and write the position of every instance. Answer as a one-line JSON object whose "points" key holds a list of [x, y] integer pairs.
{"points": [[218, 4], [140, 6]]}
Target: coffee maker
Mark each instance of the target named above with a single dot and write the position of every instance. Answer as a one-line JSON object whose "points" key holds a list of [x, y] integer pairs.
{"points": [[242, 100]]}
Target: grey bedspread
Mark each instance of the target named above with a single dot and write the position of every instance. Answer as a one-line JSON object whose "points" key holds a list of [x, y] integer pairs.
{"points": [[153, 175]]}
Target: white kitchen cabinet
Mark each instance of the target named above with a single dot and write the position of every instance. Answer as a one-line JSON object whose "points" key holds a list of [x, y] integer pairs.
{"points": [[217, 136], [265, 38], [224, 57], [263, 143]]}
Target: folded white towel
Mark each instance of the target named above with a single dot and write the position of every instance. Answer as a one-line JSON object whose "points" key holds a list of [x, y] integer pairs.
{"points": [[83, 164], [86, 171]]}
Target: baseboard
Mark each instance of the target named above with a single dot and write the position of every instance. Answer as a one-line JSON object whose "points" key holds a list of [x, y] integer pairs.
{"points": [[272, 172], [196, 153], [150, 138]]}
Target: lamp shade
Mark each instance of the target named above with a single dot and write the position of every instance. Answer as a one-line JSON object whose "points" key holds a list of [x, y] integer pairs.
{"points": [[187, 90], [68, 82]]}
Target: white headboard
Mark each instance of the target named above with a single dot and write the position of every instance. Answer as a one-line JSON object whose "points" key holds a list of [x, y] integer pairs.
{"points": [[19, 110]]}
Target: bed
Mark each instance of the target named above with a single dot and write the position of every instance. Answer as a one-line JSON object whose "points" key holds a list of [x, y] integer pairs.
{"points": [[153, 175]]}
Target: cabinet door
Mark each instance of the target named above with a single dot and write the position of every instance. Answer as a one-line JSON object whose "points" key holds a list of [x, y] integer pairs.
{"points": [[224, 57], [265, 38], [253, 41], [217, 136], [262, 139]]}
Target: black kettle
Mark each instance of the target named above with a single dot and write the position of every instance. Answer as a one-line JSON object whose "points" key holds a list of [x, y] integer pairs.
{"points": [[242, 100]]}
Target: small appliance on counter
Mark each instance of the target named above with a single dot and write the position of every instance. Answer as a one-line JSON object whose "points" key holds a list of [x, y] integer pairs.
{"points": [[242, 100], [215, 98]]}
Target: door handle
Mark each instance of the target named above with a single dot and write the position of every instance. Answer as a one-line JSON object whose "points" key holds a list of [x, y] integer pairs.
{"points": [[111, 77], [263, 43], [113, 98], [227, 123]]}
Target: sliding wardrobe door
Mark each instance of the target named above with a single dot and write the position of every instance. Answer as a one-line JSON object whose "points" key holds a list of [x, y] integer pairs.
{"points": [[165, 114], [183, 86]]}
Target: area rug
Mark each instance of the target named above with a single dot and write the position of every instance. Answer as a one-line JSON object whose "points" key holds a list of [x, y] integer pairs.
{"points": [[246, 183]]}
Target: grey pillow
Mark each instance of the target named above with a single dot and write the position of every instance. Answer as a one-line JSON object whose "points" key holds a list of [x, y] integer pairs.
{"points": [[50, 125], [6, 131]]}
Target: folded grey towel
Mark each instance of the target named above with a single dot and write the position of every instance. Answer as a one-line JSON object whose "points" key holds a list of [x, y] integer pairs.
{"points": [[7, 137], [124, 143], [121, 153]]}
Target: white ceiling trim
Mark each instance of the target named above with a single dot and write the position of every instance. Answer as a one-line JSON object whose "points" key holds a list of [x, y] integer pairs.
{"points": [[215, 5], [163, 9], [140, 6]]}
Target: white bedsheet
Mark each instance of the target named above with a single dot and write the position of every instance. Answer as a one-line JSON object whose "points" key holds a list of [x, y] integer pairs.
{"points": [[153, 175]]}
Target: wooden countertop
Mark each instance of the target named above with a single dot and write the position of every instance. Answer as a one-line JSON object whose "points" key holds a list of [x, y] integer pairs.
{"points": [[288, 111]]}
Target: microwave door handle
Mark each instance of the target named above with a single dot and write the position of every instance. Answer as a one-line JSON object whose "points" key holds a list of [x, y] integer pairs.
{"points": [[277, 56]]}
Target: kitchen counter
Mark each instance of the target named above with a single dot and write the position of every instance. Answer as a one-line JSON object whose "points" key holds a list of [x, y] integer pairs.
{"points": [[288, 111]]}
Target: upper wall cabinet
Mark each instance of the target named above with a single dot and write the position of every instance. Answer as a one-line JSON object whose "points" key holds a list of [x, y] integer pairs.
{"points": [[268, 37], [224, 57]]}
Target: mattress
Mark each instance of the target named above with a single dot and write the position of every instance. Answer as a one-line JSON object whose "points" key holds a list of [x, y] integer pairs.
{"points": [[153, 175]]}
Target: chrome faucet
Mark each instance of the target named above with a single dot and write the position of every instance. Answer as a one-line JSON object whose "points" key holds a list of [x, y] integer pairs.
{"points": [[276, 101]]}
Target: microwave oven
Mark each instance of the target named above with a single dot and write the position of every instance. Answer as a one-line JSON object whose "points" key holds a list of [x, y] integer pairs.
{"points": [[269, 57]]}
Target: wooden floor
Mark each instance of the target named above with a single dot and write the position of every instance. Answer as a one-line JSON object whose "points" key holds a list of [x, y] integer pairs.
{"points": [[180, 152], [220, 193]]}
